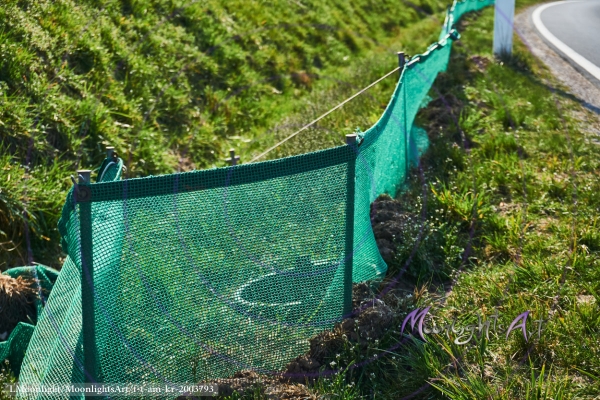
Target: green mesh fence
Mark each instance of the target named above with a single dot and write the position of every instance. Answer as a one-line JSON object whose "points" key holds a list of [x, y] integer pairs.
{"points": [[13, 349], [385, 153], [202, 274], [261, 285], [55, 353]]}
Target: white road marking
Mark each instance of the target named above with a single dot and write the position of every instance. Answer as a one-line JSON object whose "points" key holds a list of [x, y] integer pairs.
{"points": [[569, 52]]}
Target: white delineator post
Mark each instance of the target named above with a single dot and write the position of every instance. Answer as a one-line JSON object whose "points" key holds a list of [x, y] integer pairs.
{"points": [[504, 17]]}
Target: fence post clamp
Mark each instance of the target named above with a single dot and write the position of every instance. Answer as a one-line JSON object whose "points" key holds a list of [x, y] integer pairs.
{"points": [[82, 193]]}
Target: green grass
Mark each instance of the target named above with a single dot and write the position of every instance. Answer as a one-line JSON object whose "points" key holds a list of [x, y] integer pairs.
{"points": [[6, 378], [173, 85]]}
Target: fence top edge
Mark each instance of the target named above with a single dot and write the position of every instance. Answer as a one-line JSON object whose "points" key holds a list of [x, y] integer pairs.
{"points": [[197, 180]]}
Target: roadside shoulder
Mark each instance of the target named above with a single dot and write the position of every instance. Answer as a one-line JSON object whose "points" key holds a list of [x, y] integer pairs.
{"points": [[578, 85]]}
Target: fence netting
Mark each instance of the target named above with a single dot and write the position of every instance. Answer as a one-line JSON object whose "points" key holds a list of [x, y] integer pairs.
{"points": [[202, 274]]}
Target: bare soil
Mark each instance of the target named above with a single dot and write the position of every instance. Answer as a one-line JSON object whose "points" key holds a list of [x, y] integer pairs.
{"points": [[17, 303]]}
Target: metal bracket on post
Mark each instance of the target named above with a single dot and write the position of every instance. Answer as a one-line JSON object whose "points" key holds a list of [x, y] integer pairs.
{"points": [[351, 139], [84, 175], [413, 60], [111, 155], [83, 193], [454, 34], [233, 160]]}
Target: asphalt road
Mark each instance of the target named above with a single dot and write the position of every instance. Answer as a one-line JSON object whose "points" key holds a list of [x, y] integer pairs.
{"points": [[577, 25]]}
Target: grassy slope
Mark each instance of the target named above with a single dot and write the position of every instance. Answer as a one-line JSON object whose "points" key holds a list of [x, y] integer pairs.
{"points": [[173, 85], [511, 195]]}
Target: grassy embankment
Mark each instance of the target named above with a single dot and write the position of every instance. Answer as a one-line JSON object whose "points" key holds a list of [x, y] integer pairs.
{"points": [[173, 85]]}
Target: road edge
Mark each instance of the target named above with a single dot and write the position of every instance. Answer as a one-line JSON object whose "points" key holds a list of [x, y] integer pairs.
{"points": [[561, 47], [578, 84]]}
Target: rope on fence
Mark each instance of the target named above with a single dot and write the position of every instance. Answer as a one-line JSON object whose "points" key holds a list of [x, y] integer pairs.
{"points": [[324, 115]]}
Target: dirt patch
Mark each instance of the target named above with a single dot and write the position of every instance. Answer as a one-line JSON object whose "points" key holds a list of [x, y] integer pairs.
{"points": [[361, 292], [481, 63], [544, 224], [441, 113], [373, 318], [389, 222], [505, 209], [17, 303], [249, 382]]}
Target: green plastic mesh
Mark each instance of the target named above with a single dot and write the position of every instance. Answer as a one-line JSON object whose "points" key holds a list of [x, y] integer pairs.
{"points": [[175, 303], [385, 153], [55, 353], [389, 146], [13, 349], [201, 274]]}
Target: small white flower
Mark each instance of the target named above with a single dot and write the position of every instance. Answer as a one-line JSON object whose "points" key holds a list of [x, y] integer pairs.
{"points": [[337, 356], [372, 375], [332, 363]]}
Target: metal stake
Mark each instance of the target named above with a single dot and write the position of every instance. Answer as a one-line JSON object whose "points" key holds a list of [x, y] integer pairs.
{"points": [[401, 60], [88, 319], [349, 245], [351, 139], [234, 159], [84, 176]]}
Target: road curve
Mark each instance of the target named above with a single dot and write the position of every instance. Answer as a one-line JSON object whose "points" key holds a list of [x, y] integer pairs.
{"points": [[573, 29]]}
